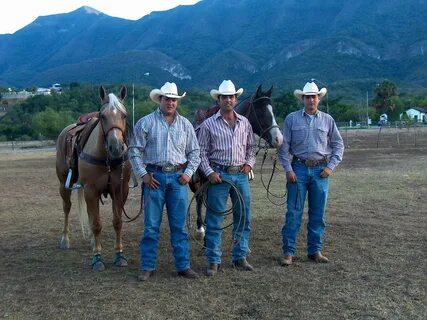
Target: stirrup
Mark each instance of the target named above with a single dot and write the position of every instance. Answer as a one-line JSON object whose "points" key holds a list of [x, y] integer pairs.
{"points": [[76, 185]]}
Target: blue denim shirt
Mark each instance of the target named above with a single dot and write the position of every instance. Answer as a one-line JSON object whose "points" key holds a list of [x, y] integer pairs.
{"points": [[313, 138]]}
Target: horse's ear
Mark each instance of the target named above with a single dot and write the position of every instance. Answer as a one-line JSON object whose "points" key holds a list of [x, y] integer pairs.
{"points": [[102, 93], [269, 92], [259, 90], [123, 93]]}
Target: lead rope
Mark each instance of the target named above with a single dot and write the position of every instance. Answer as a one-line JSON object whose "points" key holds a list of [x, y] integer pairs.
{"points": [[267, 186]]}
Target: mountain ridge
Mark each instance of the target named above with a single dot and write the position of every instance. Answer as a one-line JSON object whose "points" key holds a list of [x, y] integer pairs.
{"points": [[280, 42]]}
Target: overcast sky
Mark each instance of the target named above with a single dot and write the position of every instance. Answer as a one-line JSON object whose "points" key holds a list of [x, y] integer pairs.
{"points": [[16, 14]]}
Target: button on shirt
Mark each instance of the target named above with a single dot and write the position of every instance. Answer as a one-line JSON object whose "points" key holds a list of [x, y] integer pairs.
{"points": [[157, 142], [310, 137], [223, 145]]}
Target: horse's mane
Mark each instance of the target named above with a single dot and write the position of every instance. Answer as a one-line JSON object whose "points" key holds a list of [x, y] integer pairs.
{"points": [[113, 102]]}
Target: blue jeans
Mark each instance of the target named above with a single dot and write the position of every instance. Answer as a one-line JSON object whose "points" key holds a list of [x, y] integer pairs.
{"points": [[308, 181], [175, 196], [217, 202]]}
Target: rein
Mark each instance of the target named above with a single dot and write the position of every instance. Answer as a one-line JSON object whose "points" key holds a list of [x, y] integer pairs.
{"points": [[263, 132], [267, 186]]}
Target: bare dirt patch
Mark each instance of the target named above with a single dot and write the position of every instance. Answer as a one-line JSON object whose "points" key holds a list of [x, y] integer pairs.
{"points": [[376, 240]]}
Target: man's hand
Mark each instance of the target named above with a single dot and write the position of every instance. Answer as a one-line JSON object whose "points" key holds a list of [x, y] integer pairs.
{"points": [[149, 180], [184, 179], [291, 176], [214, 178], [245, 169], [326, 172]]}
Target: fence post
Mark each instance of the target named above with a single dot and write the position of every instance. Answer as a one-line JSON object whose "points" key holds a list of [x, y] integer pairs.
{"points": [[397, 135]]}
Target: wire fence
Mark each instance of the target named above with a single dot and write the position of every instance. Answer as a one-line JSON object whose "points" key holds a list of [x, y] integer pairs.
{"points": [[396, 135]]}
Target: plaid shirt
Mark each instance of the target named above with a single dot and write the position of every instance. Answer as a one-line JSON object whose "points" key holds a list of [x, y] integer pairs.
{"points": [[157, 142], [225, 146]]}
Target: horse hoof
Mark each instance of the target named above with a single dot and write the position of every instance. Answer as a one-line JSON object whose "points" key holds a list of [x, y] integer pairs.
{"points": [[64, 244], [120, 260], [97, 263]]}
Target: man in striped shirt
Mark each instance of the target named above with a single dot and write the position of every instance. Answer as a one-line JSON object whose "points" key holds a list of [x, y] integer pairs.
{"points": [[312, 147], [227, 156], [165, 153]]}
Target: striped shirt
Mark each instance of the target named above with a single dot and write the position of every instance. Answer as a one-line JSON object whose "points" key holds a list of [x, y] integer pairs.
{"points": [[223, 145], [156, 142], [313, 138]]}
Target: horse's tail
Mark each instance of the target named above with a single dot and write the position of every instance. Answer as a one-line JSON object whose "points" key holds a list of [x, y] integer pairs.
{"points": [[83, 216]]}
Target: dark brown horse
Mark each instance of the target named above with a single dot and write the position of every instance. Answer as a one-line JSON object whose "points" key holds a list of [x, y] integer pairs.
{"points": [[258, 110], [103, 168]]}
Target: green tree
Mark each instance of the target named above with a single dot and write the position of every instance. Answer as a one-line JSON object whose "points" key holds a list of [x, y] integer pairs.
{"points": [[49, 123], [285, 104], [385, 94]]}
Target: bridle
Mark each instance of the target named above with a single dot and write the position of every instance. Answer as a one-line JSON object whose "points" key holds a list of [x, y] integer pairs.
{"points": [[263, 132], [122, 163], [106, 132], [251, 109]]}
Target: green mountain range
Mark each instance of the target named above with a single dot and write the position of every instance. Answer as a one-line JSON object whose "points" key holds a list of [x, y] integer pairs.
{"points": [[348, 45]]}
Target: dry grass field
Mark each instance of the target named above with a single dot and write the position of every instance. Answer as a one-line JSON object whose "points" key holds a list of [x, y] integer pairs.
{"points": [[376, 240]]}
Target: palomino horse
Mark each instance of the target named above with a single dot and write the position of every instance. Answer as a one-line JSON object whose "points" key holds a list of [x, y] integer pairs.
{"points": [[258, 110], [103, 168]]}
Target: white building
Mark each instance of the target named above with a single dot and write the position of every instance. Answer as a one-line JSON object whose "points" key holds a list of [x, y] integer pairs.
{"points": [[416, 114]]}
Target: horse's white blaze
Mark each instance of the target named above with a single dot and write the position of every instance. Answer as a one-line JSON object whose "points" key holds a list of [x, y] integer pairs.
{"points": [[275, 132]]}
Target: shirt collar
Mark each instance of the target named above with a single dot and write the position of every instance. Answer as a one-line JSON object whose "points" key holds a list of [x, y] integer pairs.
{"points": [[317, 114], [160, 114], [217, 115]]}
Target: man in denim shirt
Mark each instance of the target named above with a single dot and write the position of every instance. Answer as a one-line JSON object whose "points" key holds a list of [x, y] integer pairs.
{"points": [[165, 153], [311, 149]]}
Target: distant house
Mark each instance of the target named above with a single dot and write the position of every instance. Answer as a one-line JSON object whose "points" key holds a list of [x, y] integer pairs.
{"points": [[416, 114], [57, 87], [43, 91], [11, 98]]}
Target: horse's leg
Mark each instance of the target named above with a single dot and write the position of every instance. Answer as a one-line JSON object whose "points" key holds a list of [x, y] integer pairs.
{"points": [[200, 235], [118, 203], [92, 203], [66, 205]]}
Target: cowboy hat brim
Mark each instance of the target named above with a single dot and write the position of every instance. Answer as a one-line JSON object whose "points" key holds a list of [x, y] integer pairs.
{"points": [[216, 93], [155, 95], [300, 94]]}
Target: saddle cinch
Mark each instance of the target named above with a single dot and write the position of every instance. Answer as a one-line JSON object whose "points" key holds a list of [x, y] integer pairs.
{"points": [[75, 140]]}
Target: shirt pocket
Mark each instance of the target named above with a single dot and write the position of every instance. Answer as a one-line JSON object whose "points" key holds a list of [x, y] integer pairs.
{"points": [[180, 141], [299, 133], [322, 135]]}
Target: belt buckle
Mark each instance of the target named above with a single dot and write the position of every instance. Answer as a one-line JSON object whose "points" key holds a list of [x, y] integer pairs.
{"points": [[168, 168], [310, 163], [233, 169]]}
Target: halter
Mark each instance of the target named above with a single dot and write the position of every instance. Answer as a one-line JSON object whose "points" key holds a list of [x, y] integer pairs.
{"points": [[264, 131], [105, 133], [252, 108]]}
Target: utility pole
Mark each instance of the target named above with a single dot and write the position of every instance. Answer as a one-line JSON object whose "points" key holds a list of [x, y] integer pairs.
{"points": [[133, 106], [367, 106]]}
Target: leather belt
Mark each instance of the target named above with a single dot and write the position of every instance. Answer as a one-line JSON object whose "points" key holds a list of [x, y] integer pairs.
{"points": [[167, 168], [228, 169], [310, 162]]}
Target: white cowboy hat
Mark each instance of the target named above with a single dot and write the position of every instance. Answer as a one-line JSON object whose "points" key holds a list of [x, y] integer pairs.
{"points": [[226, 88], [310, 89], [169, 90]]}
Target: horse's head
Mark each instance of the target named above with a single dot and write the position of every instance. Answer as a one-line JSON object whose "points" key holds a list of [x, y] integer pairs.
{"points": [[260, 114], [112, 117]]}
